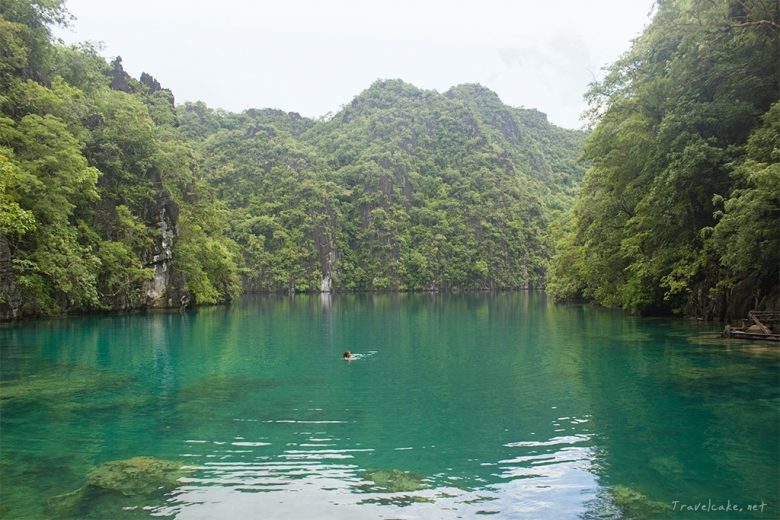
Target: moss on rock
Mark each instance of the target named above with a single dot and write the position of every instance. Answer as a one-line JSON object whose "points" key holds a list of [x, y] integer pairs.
{"points": [[634, 504], [142, 478], [396, 480], [58, 386], [136, 476]]}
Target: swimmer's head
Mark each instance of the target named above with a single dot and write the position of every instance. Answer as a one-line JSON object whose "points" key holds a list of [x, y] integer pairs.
{"points": [[347, 354]]}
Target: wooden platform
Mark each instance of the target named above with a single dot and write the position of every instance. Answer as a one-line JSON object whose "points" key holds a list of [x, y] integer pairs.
{"points": [[760, 325]]}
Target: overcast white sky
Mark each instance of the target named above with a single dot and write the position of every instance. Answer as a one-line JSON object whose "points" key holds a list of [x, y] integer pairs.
{"points": [[313, 56]]}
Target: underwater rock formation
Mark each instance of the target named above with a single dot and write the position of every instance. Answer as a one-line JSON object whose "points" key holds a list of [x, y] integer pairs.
{"points": [[111, 482], [395, 480], [634, 504]]}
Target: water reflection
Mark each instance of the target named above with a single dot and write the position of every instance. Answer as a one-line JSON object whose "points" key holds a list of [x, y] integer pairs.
{"points": [[461, 405], [551, 475]]}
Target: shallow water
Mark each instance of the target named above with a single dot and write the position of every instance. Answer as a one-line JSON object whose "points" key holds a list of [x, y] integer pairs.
{"points": [[460, 405]]}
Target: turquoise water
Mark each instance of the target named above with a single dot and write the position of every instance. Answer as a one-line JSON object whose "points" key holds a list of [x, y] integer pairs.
{"points": [[461, 405]]}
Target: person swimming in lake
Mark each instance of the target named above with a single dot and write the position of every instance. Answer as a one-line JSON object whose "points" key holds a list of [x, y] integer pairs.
{"points": [[347, 356]]}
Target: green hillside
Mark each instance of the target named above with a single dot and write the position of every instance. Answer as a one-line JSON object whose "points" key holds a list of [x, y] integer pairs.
{"points": [[113, 198], [681, 209], [403, 189]]}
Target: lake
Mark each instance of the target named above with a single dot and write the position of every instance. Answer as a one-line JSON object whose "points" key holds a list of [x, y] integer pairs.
{"points": [[458, 406]]}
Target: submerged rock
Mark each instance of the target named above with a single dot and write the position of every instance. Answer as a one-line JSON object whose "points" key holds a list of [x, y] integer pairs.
{"points": [[396, 480], [136, 476], [112, 483], [634, 504], [57, 386]]}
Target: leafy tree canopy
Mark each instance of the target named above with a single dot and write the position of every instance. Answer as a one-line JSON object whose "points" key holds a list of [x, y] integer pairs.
{"points": [[679, 212]]}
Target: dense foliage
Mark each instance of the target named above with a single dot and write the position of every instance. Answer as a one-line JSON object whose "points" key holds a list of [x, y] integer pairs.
{"points": [[111, 198], [402, 189], [680, 211], [90, 158]]}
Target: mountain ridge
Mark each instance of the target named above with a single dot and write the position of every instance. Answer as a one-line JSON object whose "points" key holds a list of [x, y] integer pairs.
{"points": [[392, 153], [112, 197]]}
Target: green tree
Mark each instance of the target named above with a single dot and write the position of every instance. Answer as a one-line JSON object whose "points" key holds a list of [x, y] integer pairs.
{"points": [[747, 236], [672, 120]]}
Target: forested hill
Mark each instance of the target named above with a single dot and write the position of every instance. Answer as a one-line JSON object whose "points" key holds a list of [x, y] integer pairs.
{"points": [[100, 204], [111, 197], [681, 209], [402, 189]]}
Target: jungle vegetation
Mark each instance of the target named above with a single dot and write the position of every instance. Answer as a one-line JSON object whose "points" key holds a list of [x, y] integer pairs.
{"points": [[112, 196], [680, 211]]}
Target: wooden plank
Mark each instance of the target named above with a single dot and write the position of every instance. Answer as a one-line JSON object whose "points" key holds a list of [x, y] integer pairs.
{"points": [[754, 316]]}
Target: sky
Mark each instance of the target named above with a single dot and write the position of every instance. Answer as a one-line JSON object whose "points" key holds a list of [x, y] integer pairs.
{"points": [[314, 56]]}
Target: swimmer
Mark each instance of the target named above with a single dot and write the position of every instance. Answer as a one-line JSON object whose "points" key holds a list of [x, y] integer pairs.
{"points": [[347, 356]]}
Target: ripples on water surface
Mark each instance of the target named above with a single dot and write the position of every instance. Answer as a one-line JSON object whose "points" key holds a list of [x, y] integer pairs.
{"points": [[504, 405]]}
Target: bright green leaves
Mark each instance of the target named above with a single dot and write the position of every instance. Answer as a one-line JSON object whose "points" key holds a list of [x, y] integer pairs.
{"points": [[673, 118], [14, 54], [14, 220], [121, 145], [403, 189], [120, 274], [85, 173], [24, 29], [282, 210], [48, 182], [45, 148], [208, 262], [444, 191], [748, 235]]}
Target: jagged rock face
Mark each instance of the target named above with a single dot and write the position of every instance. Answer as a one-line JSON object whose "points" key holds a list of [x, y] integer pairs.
{"points": [[155, 290], [10, 299], [120, 80], [151, 83], [326, 285], [165, 289]]}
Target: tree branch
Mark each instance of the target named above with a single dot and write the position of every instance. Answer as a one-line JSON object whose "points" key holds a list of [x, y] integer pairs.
{"points": [[768, 23]]}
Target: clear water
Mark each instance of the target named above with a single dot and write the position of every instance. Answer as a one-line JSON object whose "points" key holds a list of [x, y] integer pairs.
{"points": [[460, 405]]}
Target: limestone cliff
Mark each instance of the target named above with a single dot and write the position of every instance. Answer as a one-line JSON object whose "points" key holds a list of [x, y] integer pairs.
{"points": [[166, 289]]}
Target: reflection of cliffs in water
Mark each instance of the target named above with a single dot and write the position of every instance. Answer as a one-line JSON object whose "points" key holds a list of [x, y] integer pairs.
{"points": [[673, 408], [470, 404]]}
